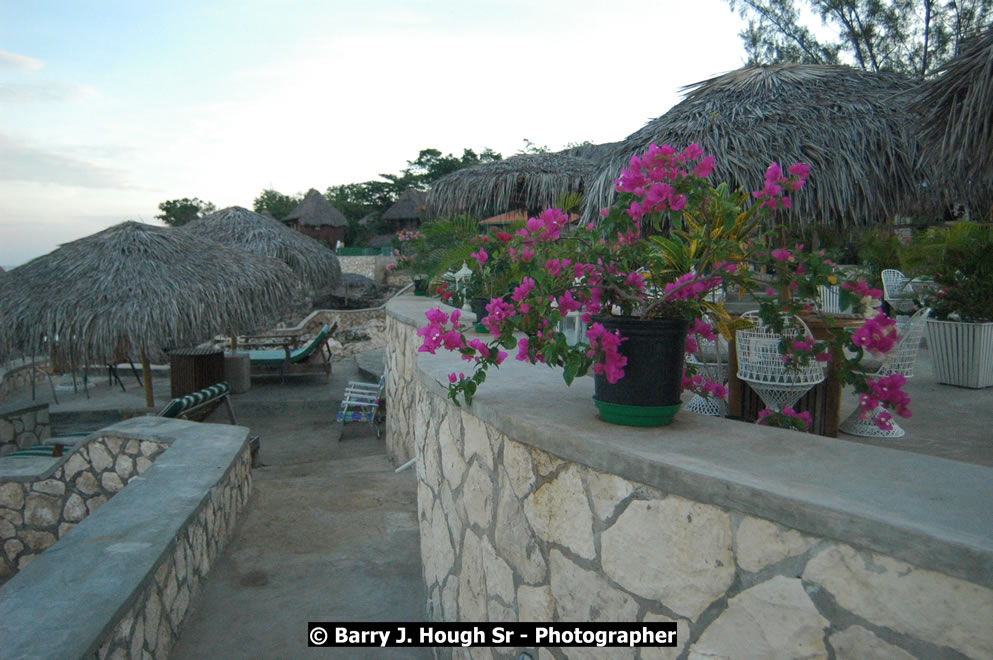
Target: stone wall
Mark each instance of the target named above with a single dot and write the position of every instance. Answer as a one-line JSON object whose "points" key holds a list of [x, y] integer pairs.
{"points": [[35, 512], [18, 378], [152, 625], [401, 389], [526, 516], [23, 427], [360, 265], [513, 533], [121, 583]]}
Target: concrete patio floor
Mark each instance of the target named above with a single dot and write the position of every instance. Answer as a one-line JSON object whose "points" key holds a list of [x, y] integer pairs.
{"points": [[331, 531]]}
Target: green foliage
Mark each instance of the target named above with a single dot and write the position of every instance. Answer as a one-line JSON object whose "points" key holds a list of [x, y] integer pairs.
{"points": [[960, 259], [907, 36], [879, 249], [177, 212], [357, 200], [276, 203]]}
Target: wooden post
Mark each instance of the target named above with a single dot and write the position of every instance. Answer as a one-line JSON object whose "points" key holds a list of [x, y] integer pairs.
{"points": [[146, 370]]}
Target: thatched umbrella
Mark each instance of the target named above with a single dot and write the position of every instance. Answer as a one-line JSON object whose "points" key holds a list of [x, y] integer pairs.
{"points": [[408, 207], [314, 265], [956, 110], [850, 126], [531, 182], [135, 287]]}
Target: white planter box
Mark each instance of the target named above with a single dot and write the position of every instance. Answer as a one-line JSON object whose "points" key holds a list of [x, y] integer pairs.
{"points": [[962, 352]]}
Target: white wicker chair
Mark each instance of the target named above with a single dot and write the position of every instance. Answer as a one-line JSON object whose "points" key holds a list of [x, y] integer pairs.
{"points": [[900, 361], [896, 293], [711, 358], [760, 363]]}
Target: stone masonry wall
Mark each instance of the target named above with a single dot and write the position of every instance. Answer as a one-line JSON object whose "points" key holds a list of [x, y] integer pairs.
{"points": [[19, 378], [24, 427], [37, 512], [512, 533], [401, 389], [152, 625]]}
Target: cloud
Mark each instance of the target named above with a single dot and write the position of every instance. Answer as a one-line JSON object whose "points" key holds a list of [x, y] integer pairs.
{"points": [[20, 161], [15, 61], [46, 92]]}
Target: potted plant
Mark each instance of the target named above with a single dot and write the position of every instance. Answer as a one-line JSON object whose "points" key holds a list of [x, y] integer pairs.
{"points": [[641, 277], [959, 260]]}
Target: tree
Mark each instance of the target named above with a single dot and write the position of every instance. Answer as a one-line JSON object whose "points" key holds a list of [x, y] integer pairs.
{"points": [[177, 212], [276, 203], [914, 37]]}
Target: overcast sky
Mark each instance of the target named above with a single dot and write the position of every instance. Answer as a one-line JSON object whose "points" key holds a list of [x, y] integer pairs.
{"points": [[109, 108]]}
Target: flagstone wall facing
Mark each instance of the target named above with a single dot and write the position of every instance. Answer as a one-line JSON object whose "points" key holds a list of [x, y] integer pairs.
{"points": [[511, 532], [23, 427], [35, 512]]}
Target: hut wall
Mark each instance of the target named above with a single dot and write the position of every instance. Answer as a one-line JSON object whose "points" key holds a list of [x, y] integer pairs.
{"points": [[326, 233]]}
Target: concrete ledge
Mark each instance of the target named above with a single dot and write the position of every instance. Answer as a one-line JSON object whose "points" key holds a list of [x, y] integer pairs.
{"points": [[931, 512], [71, 600]]}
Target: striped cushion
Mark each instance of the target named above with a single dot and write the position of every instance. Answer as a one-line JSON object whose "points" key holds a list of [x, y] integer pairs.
{"points": [[355, 416], [34, 450], [277, 357], [178, 406]]}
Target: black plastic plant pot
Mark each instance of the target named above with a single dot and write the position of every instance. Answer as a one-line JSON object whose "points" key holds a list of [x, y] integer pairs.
{"points": [[478, 307], [649, 393], [421, 287]]}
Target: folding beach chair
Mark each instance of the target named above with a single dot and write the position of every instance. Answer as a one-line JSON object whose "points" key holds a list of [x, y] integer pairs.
{"points": [[361, 402]]}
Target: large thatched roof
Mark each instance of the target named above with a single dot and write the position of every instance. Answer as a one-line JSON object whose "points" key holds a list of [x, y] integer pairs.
{"points": [[594, 152], [315, 211], [105, 296], [315, 265], [409, 206], [531, 181], [847, 124], [956, 111]]}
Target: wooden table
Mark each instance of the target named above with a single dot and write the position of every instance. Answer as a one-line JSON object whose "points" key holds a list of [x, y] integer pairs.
{"points": [[823, 402]]}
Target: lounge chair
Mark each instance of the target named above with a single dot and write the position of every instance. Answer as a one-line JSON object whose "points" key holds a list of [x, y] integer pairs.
{"points": [[179, 407], [288, 360]]}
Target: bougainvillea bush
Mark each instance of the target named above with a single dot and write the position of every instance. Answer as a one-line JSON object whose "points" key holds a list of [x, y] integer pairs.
{"points": [[669, 242]]}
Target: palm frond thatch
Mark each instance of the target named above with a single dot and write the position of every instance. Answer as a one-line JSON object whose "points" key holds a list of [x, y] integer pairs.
{"points": [[531, 181], [594, 152], [315, 210], [315, 265], [135, 286], [956, 122], [846, 124], [409, 206]]}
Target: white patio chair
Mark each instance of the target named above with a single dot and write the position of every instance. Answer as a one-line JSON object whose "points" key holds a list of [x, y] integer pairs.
{"points": [[572, 326], [900, 361], [760, 364]]}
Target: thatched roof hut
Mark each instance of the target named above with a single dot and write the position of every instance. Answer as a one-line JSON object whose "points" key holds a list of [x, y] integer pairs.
{"points": [[138, 289], [956, 128], [408, 208], [531, 182], [316, 211], [315, 217], [849, 125], [314, 265]]}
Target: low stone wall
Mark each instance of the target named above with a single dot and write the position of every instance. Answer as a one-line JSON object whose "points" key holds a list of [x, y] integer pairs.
{"points": [[38, 510], [23, 427], [19, 377], [360, 265], [401, 389], [757, 542], [121, 583]]}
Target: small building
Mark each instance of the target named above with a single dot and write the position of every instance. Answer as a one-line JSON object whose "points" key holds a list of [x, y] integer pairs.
{"points": [[315, 217], [408, 211]]}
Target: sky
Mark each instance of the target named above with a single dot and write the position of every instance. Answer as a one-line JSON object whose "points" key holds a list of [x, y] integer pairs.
{"points": [[109, 108]]}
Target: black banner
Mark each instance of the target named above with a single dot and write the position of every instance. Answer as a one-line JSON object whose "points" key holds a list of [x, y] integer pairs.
{"points": [[338, 633]]}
